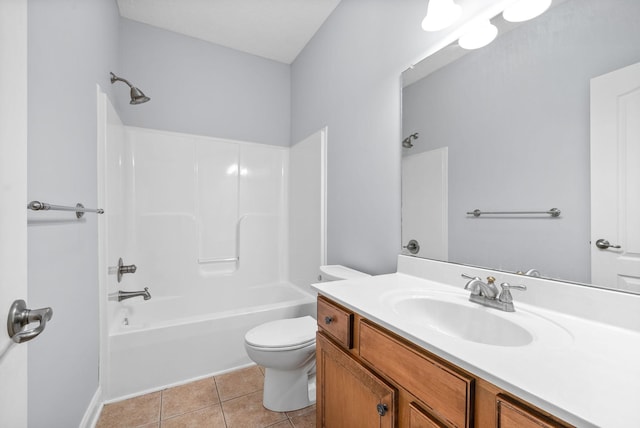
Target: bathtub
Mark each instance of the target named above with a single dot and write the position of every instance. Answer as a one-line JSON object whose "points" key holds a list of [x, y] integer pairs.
{"points": [[167, 341]]}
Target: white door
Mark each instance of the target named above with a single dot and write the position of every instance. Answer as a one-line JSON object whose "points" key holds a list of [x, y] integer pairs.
{"points": [[615, 179], [425, 204], [13, 212]]}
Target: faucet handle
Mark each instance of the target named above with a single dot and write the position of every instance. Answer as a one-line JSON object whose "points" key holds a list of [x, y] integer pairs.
{"points": [[472, 284], [505, 295]]}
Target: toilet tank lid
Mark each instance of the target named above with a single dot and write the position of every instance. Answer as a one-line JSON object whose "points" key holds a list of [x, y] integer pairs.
{"points": [[283, 333], [337, 272]]}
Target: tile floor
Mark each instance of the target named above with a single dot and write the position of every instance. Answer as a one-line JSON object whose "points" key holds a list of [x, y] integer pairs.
{"points": [[232, 400]]}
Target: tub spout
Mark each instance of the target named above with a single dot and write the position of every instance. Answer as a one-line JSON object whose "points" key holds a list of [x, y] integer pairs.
{"points": [[122, 295]]}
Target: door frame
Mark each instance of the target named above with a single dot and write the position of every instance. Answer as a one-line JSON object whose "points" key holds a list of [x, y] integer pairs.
{"points": [[13, 197]]}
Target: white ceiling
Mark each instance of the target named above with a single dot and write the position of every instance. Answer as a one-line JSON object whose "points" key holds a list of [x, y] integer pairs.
{"points": [[274, 29]]}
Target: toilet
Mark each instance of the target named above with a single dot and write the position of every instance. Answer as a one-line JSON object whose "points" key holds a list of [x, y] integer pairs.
{"points": [[287, 350]]}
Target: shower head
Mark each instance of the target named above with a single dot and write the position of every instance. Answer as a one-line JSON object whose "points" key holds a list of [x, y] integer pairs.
{"points": [[406, 143], [137, 96]]}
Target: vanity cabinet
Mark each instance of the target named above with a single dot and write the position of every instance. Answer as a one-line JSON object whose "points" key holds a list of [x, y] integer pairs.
{"points": [[515, 415], [351, 395], [370, 377]]}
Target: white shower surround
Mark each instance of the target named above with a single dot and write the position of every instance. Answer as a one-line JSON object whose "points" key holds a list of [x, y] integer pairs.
{"points": [[181, 208]]}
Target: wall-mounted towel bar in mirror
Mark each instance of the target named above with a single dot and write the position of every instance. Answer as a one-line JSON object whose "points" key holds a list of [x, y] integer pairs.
{"points": [[79, 208], [553, 212]]}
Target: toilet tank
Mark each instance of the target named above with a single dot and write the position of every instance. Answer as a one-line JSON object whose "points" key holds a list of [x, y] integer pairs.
{"points": [[339, 272]]}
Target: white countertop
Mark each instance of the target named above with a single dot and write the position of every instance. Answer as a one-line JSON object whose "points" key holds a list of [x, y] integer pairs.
{"points": [[585, 372]]}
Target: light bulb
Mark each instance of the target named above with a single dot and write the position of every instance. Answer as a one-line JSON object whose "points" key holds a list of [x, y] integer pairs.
{"points": [[478, 34], [440, 15], [525, 10]]}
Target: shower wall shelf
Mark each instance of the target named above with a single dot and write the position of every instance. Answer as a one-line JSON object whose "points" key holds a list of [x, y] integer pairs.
{"points": [[553, 212], [79, 208]]}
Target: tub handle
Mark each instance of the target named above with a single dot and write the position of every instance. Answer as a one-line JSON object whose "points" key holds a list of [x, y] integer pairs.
{"points": [[122, 269]]}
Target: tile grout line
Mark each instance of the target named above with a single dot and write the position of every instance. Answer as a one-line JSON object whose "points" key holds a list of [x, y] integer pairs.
{"points": [[161, 401], [224, 416]]}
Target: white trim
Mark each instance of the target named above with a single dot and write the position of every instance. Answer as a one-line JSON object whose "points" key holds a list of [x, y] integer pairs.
{"points": [[92, 414], [101, 112], [13, 214], [323, 195]]}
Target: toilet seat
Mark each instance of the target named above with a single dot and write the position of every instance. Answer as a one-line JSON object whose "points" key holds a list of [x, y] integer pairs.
{"points": [[283, 335]]}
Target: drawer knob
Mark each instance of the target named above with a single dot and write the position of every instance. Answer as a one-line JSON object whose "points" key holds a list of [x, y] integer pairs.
{"points": [[328, 320], [382, 409]]}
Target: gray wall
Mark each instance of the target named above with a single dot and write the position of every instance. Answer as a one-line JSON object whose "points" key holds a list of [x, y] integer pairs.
{"points": [[72, 45], [515, 116], [348, 78], [201, 88]]}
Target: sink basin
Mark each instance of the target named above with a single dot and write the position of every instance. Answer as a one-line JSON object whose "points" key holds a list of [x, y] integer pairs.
{"points": [[463, 320]]}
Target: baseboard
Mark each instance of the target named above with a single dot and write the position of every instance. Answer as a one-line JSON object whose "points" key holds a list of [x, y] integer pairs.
{"points": [[92, 414]]}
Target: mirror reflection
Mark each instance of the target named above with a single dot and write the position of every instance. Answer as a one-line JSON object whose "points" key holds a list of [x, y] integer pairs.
{"points": [[506, 128]]}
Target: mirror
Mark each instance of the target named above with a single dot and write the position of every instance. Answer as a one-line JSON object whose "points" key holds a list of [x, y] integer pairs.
{"points": [[506, 128]]}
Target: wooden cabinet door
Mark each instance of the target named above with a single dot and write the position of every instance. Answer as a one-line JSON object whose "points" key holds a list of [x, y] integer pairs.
{"points": [[419, 418], [514, 415], [349, 395], [448, 393]]}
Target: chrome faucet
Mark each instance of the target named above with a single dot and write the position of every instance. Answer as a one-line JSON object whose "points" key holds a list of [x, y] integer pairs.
{"points": [[122, 295], [479, 288], [487, 294], [531, 272]]}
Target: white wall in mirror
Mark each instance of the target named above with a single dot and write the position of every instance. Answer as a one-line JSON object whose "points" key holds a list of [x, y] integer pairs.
{"points": [[515, 118]]}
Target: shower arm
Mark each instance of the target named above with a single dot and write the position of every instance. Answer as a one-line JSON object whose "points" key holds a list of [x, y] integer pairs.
{"points": [[115, 78]]}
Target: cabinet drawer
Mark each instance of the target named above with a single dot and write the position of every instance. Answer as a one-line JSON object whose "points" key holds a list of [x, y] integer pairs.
{"points": [[515, 415], [336, 321], [447, 393]]}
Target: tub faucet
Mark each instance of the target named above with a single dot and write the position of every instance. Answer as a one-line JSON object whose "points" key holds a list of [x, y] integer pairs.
{"points": [[122, 295], [487, 293]]}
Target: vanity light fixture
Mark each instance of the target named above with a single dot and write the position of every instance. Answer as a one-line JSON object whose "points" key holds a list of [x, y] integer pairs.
{"points": [[524, 10], [440, 15], [477, 34]]}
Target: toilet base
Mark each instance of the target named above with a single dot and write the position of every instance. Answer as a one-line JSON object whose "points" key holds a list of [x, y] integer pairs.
{"points": [[287, 390]]}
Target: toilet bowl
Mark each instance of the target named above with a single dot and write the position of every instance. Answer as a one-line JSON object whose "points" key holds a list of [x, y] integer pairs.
{"points": [[287, 350]]}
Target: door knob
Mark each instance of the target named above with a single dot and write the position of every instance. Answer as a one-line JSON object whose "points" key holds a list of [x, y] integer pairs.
{"points": [[412, 246], [382, 409], [603, 244], [20, 317]]}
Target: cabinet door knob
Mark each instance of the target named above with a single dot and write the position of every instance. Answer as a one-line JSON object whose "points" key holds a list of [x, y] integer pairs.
{"points": [[328, 320], [382, 409]]}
